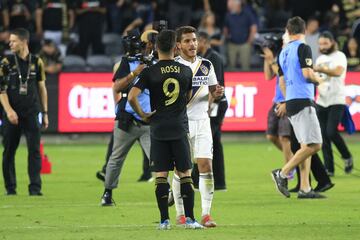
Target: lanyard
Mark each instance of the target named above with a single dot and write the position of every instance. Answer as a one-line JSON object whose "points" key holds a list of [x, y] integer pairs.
{"points": [[19, 70]]}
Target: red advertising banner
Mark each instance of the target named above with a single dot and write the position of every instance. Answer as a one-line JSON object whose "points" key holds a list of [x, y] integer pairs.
{"points": [[86, 102]]}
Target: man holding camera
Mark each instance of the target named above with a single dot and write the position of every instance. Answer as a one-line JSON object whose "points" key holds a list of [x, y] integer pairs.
{"points": [[23, 95], [129, 126]]}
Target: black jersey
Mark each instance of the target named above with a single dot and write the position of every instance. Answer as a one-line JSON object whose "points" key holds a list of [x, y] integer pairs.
{"points": [[168, 83]]}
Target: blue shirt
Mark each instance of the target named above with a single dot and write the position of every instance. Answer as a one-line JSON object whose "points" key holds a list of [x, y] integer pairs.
{"points": [[279, 97], [239, 25], [297, 86]]}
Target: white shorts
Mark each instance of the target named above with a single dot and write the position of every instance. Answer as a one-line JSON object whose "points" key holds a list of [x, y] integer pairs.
{"points": [[201, 138]]}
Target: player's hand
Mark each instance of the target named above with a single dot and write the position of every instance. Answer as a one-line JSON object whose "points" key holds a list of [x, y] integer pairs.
{"points": [[147, 116], [219, 91], [138, 69], [45, 121], [13, 117], [280, 109]]}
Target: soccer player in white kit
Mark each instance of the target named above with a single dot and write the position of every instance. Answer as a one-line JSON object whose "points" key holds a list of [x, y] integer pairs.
{"points": [[204, 82]]}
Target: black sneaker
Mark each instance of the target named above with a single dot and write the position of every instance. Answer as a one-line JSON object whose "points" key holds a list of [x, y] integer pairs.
{"points": [[349, 165], [309, 195], [35, 193], [106, 200], [324, 188], [10, 193], [294, 190], [100, 175], [280, 183]]}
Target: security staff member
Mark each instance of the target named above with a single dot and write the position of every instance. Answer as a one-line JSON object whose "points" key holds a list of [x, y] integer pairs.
{"points": [[23, 96]]}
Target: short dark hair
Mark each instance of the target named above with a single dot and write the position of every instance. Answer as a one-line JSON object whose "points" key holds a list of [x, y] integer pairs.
{"points": [[295, 25], [165, 41], [21, 33], [328, 35], [204, 35], [184, 30]]}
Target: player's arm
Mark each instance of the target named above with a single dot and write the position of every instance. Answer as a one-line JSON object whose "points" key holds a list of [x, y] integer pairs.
{"points": [[306, 64], [215, 89], [41, 77], [135, 91], [132, 99]]}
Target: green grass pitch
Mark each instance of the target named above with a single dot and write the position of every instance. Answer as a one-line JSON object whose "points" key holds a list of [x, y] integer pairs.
{"points": [[250, 209]]}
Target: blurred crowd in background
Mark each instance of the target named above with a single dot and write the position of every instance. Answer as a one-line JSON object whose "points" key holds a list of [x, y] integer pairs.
{"points": [[86, 35]]}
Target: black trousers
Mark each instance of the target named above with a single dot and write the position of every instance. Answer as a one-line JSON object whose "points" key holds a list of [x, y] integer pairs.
{"points": [[218, 152], [90, 35], [146, 162], [30, 126], [329, 119], [317, 167]]}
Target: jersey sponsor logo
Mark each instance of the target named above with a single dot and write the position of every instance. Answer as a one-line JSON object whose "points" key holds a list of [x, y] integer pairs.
{"points": [[200, 81]]}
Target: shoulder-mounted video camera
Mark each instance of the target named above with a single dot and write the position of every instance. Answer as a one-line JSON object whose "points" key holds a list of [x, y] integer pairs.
{"points": [[271, 39], [134, 47]]}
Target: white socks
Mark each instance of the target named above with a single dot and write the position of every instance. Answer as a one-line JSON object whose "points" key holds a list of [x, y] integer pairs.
{"points": [[206, 188], [179, 206]]}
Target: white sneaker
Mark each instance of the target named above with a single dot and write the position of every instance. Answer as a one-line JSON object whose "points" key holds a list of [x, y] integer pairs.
{"points": [[165, 225], [192, 224]]}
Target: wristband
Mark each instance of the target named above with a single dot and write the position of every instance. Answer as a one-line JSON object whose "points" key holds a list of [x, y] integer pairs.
{"points": [[44, 112]]}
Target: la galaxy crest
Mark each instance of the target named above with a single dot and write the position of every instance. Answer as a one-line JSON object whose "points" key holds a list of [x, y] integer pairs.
{"points": [[204, 69]]}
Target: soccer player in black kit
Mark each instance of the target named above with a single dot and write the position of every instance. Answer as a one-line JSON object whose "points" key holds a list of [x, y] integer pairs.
{"points": [[169, 84]]}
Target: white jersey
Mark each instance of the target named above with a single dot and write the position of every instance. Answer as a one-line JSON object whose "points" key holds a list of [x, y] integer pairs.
{"points": [[332, 91], [203, 77]]}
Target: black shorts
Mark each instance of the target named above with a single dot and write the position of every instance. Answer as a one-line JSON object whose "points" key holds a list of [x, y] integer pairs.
{"points": [[278, 126], [165, 155]]}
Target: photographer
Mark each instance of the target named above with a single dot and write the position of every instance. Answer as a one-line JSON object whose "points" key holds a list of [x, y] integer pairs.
{"points": [[128, 126], [23, 95]]}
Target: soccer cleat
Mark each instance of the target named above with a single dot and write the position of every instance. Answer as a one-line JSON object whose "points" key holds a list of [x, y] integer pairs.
{"points": [[106, 200], [100, 175], [207, 221], [192, 224], [181, 220], [349, 165], [309, 195], [171, 200], [165, 225], [280, 183]]}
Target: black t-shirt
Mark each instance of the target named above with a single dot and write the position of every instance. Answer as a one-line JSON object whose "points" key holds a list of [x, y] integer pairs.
{"points": [[18, 10], [305, 59], [90, 19], [168, 82], [29, 103], [53, 13]]}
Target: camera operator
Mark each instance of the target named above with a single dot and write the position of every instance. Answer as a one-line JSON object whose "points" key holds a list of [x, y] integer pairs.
{"points": [[128, 127], [278, 125], [23, 95]]}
